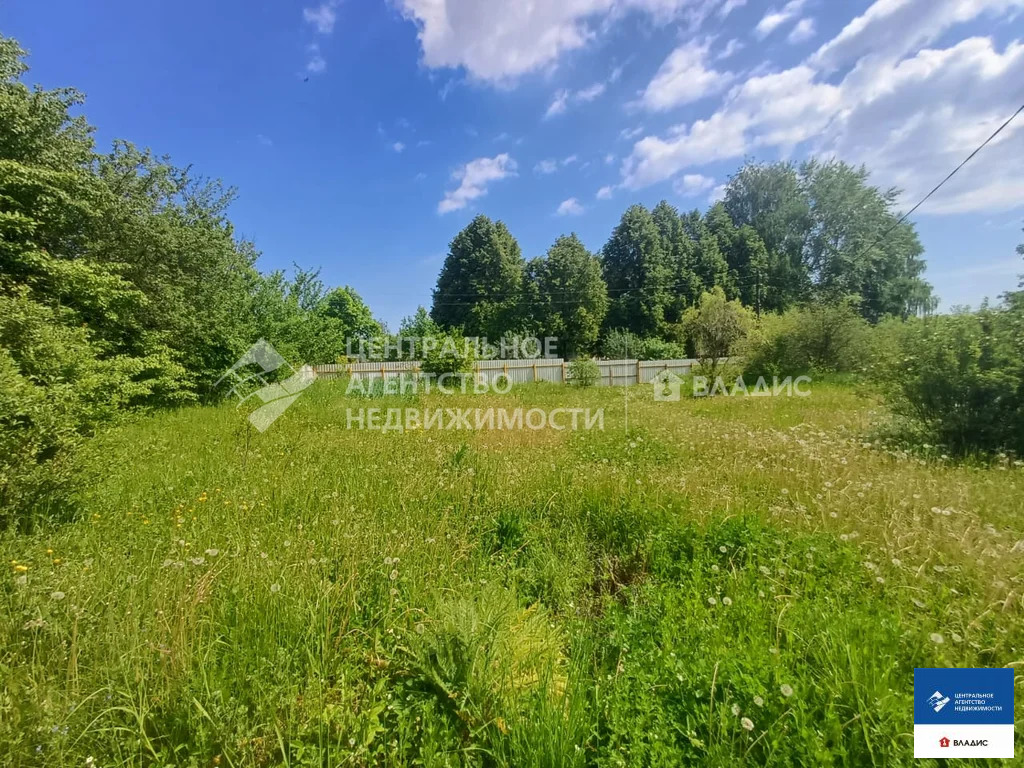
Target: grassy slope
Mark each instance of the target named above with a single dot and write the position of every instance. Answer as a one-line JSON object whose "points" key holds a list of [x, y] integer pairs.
{"points": [[319, 596]]}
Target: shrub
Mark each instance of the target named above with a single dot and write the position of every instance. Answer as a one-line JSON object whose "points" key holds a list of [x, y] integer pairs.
{"points": [[818, 338], [715, 327], [659, 349], [958, 380], [481, 656], [624, 345], [620, 344], [449, 353], [584, 372]]}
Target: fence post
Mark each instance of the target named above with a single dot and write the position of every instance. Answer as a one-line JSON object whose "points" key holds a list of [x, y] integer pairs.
{"points": [[611, 377], [564, 378], [535, 372], [639, 380]]}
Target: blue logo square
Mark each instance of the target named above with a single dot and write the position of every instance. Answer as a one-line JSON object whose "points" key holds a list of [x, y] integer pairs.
{"points": [[976, 696]]}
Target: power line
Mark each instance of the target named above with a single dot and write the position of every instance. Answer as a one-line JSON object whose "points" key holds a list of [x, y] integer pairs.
{"points": [[942, 183]]}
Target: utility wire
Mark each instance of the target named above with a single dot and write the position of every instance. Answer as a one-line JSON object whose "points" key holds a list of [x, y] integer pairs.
{"points": [[942, 183]]}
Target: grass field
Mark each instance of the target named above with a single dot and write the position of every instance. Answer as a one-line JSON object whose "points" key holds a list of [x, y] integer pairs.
{"points": [[735, 581]]}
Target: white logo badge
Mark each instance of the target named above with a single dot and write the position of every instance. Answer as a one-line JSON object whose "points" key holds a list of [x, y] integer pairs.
{"points": [[277, 396]]}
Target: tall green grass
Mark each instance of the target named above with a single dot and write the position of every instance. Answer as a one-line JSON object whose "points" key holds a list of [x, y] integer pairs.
{"points": [[730, 582]]}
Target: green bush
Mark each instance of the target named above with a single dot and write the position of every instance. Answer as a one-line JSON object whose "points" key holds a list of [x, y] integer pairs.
{"points": [[624, 345], [619, 344], [449, 354], [659, 349], [716, 327], [584, 372], [817, 338], [958, 380]]}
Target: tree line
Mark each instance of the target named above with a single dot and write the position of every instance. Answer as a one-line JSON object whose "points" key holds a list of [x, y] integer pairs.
{"points": [[784, 235], [123, 286]]}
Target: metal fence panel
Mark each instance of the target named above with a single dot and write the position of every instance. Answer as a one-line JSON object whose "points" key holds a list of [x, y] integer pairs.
{"points": [[615, 373]]}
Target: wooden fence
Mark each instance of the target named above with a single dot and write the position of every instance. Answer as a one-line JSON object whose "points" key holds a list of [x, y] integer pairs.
{"points": [[613, 372]]}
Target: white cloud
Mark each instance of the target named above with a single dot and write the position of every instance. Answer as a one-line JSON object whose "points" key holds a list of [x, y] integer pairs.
{"points": [[570, 160], [691, 184], [558, 104], [499, 42], [730, 48], [729, 6], [605, 193], [631, 133], [918, 119], [546, 166], [775, 18], [684, 77], [804, 30], [609, 158], [315, 63], [570, 207], [398, 146], [591, 93], [783, 109], [909, 121], [473, 178], [322, 17], [893, 28], [564, 97]]}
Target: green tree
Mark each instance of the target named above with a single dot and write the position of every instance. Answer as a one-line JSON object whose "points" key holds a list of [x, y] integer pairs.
{"points": [[715, 326], [856, 244], [479, 287], [412, 330], [573, 298], [637, 273], [770, 198], [709, 262], [348, 307], [681, 253]]}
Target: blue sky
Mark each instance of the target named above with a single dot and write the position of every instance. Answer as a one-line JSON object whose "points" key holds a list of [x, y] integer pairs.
{"points": [[362, 135]]}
